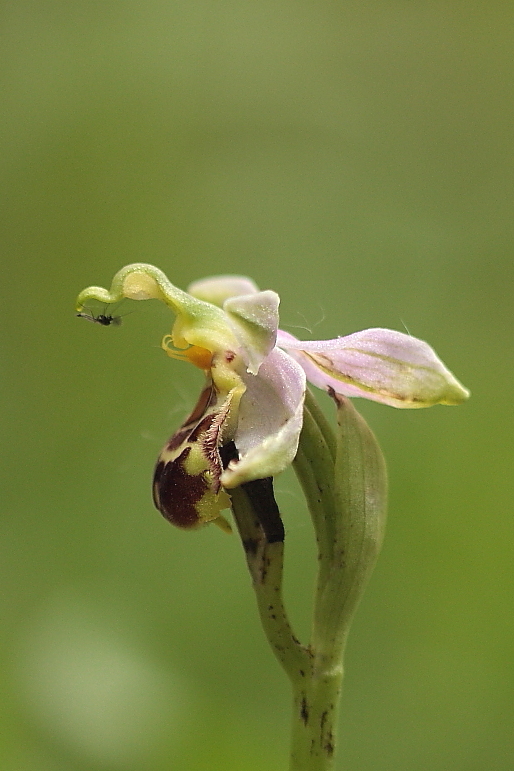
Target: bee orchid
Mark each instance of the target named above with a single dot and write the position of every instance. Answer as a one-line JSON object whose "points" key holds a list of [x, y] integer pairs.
{"points": [[255, 384]]}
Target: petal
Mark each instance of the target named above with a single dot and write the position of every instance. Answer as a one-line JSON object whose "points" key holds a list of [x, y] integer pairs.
{"points": [[254, 320], [270, 420], [217, 289], [379, 364]]}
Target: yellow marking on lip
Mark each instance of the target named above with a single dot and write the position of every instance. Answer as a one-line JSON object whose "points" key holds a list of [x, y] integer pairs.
{"points": [[198, 356]]}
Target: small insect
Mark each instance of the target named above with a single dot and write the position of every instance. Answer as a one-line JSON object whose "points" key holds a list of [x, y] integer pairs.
{"points": [[105, 319]]}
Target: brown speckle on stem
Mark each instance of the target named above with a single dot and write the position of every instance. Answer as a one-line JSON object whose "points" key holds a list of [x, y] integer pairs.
{"points": [[304, 711]]}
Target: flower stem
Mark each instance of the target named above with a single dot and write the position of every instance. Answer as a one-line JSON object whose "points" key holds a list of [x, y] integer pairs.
{"points": [[315, 706], [265, 561], [316, 684], [344, 480]]}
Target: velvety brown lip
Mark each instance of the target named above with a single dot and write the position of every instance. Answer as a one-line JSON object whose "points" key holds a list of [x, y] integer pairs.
{"points": [[176, 493]]}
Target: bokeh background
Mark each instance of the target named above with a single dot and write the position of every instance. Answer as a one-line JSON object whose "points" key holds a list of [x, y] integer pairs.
{"points": [[356, 157]]}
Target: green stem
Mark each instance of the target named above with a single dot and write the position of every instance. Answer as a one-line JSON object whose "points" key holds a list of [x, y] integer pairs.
{"points": [[266, 563], [315, 707], [344, 483], [316, 683]]}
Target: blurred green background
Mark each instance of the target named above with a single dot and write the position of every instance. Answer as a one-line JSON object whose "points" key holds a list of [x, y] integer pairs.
{"points": [[357, 158]]}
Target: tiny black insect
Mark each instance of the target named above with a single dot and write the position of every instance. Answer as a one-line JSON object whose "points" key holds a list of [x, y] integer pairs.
{"points": [[105, 320]]}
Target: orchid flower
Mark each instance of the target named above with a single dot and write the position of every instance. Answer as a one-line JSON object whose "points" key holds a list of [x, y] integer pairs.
{"points": [[254, 417], [256, 375]]}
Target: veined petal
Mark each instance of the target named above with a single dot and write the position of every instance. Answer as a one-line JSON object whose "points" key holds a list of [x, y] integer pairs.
{"points": [[379, 364], [254, 320], [270, 420], [217, 289]]}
